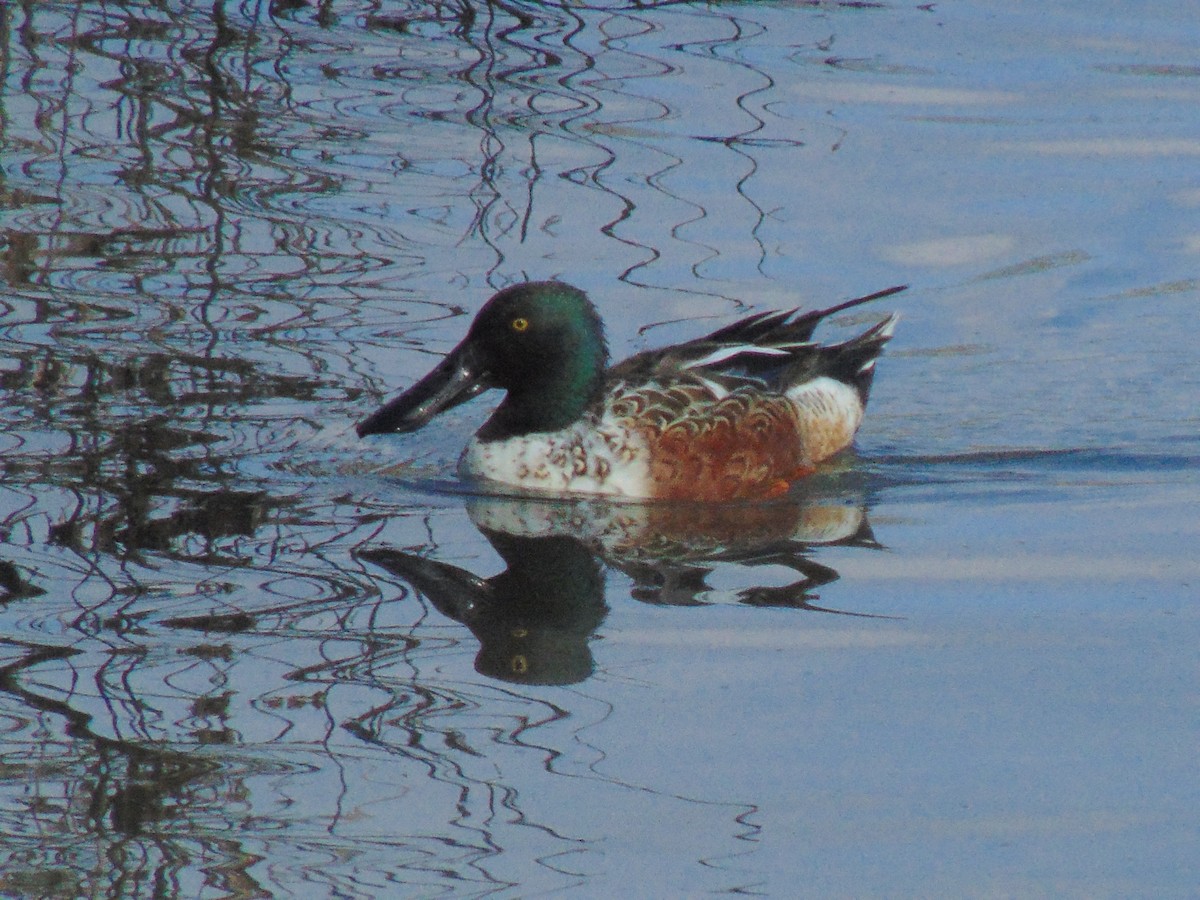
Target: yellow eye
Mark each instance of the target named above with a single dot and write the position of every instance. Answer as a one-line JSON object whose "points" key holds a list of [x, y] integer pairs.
{"points": [[519, 324]]}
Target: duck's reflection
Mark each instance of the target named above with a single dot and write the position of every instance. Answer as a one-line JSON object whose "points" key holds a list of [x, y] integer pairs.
{"points": [[535, 619]]}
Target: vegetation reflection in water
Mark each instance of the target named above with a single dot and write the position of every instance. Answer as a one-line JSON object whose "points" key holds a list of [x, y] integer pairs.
{"points": [[210, 237], [168, 727]]}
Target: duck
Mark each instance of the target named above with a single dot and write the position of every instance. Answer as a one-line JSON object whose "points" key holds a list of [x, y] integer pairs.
{"points": [[740, 414]]}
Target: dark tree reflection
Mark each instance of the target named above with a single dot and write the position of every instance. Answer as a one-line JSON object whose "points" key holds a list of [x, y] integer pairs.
{"points": [[232, 664]]}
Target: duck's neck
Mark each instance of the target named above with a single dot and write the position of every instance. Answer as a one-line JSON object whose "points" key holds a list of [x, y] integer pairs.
{"points": [[552, 394]]}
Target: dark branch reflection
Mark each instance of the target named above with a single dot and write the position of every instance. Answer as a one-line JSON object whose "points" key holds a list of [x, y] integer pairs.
{"points": [[130, 791], [218, 222]]}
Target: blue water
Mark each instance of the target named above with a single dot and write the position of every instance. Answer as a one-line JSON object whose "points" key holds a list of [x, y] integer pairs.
{"points": [[246, 654]]}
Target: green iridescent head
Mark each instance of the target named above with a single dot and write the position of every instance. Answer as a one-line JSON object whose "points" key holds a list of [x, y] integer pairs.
{"points": [[542, 342]]}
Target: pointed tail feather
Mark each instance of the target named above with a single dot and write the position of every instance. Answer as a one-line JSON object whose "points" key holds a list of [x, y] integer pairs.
{"points": [[804, 325], [788, 327], [853, 362]]}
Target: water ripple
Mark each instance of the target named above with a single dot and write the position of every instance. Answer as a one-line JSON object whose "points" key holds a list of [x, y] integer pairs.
{"points": [[236, 660]]}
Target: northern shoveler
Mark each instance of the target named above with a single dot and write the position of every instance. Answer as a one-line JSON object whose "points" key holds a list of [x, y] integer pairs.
{"points": [[738, 414]]}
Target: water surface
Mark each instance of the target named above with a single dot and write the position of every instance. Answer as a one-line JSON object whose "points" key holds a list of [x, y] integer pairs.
{"points": [[247, 654]]}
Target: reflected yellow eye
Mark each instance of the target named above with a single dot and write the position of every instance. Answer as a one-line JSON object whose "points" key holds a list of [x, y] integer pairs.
{"points": [[519, 324]]}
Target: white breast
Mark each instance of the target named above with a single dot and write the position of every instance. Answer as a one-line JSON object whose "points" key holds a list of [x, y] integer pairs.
{"points": [[590, 456]]}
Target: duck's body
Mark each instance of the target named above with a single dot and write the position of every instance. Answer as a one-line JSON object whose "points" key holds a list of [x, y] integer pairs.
{"points": [[681, 440], [739, 414]]}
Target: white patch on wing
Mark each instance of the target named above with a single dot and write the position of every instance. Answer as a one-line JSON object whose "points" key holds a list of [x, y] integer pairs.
{"points": [[724, 354], [589, 456], [718, 391]]}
